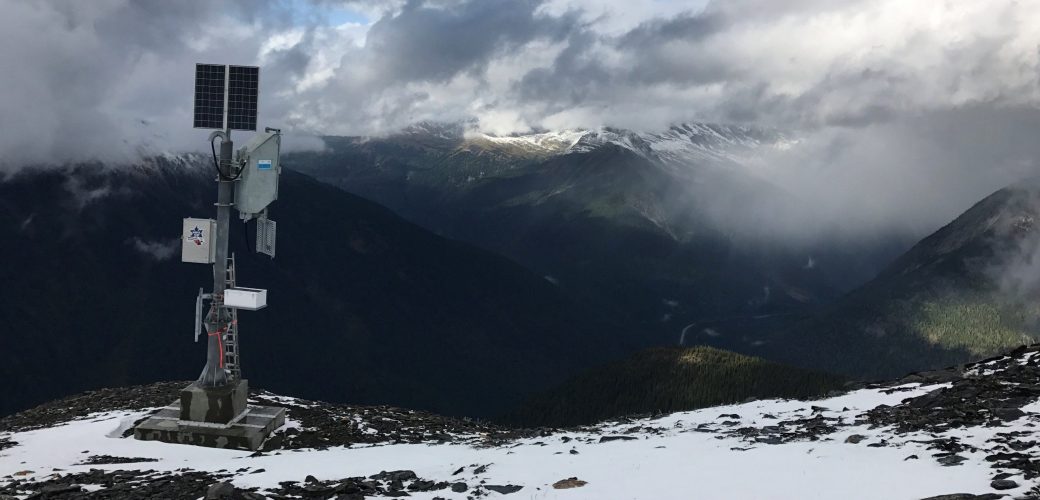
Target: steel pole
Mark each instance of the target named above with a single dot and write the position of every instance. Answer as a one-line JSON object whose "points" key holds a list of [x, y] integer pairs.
{"points": [[214, 374]]}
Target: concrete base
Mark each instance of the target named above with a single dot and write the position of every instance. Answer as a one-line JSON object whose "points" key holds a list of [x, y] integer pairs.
{"points": [[215, 405], [247, 431]]}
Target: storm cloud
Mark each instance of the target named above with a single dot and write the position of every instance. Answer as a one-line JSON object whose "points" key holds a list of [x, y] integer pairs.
{"points": [[899, 107], [84, 69]]}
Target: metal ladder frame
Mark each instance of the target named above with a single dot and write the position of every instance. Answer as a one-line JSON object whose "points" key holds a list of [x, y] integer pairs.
{"points": [[232, 361]]}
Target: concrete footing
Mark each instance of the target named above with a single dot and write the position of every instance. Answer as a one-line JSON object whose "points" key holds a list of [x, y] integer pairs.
{"points": [[215, 405], [217, 418]]}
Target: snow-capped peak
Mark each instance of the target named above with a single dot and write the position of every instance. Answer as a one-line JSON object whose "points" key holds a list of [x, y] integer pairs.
{"points": [[542, 142], [678, 146], [695, 143]]}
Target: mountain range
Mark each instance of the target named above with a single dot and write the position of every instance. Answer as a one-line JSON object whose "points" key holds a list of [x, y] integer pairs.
{"points": [[665, 230], [967, 291], [513, 269], [364, 306]]}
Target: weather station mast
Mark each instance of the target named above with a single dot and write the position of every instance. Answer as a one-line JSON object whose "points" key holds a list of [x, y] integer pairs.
{"points": [[213, 411]]}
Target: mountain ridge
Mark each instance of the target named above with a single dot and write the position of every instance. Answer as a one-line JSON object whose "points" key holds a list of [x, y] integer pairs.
{"points": [[355, 292], [967, 290], [621, 230]]}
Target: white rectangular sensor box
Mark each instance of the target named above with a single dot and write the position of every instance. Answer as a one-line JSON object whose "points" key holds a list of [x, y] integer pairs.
{"points": [[197, 241], [249, 299]]}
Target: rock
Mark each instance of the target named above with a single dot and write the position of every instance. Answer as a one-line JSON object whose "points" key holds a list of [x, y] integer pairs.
{"points": [[402, 475], [273, 443], [966, 496], [397, 475], [422, 485], [950, 460], [459, 487], [505, 490], [1008, 414], [58, 489], [607, 439], [855, 438], [911, 457], [1003, 484], [310, 479], [7, 443], [220, 491], [571, 482]]}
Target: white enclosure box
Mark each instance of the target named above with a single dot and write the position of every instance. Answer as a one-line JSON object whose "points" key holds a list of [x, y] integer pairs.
{"points": [[249, 299], [197, 241]]}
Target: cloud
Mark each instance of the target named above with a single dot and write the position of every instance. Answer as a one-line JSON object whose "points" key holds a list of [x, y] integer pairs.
{"points": [[913, 172], [117, 73], [156, 250], [903, 107], [112, 79]]}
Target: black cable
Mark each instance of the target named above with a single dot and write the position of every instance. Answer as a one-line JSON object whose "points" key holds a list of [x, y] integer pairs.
{"points": [[216, 163], [245, 236]]}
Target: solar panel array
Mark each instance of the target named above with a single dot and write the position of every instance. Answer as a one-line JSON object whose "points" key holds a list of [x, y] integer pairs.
{"points": [[243, 86], [209, 96]]}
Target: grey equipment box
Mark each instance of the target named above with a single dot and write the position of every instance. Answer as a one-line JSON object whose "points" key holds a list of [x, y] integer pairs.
{"points": [[197, 241], [257, 186]]}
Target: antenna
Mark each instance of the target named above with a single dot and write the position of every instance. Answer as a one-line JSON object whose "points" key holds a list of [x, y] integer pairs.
{"points": [[212, 411]]}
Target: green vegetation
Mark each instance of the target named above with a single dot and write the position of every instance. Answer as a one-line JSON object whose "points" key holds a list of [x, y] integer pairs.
{"points": [[944, 302], [981, 328], [668, 379]]}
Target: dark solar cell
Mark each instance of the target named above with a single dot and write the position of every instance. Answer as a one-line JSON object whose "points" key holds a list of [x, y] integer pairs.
{"points": [[209, 96], [243, 86]]}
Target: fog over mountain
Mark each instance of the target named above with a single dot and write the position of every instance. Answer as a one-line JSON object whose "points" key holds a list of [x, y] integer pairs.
{"points": [[540, 248], [905, 116]]}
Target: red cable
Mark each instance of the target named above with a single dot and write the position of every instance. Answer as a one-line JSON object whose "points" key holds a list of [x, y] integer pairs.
{"points": [[220, 344]]}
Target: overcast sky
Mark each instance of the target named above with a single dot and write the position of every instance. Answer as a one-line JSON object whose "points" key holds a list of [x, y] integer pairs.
{"points": [[941, 93]]}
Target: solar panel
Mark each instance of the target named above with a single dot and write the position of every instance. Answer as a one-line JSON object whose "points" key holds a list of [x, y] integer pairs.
{"points": [[209, 96], [243, 86]]}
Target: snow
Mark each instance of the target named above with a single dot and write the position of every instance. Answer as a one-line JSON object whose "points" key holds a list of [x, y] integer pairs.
{"points": [[675, 463], [679, 146], [549, 141], [989, 367], [692, 144]]}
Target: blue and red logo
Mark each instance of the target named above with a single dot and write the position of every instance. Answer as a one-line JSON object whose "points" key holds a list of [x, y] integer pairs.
{"points": [[196, 236]]}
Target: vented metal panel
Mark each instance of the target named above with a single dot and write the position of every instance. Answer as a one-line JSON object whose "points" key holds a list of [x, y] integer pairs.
{"points": [[266, 230]]}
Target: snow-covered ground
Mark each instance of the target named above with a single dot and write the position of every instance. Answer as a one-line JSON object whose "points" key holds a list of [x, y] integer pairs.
{"points": [[696, 454]]}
